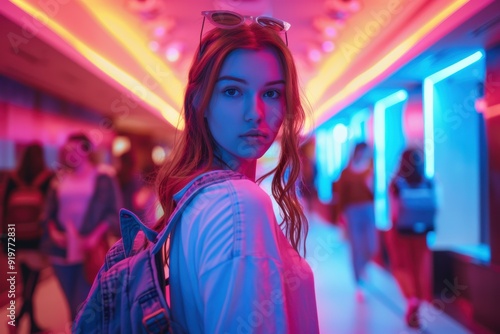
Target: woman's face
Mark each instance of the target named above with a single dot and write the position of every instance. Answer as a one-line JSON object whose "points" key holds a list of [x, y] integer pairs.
{"points": [[74, 153], [247, 106]]}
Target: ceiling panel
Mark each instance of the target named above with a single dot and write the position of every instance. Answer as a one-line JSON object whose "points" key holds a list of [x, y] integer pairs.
{"points": [[95, 52]]}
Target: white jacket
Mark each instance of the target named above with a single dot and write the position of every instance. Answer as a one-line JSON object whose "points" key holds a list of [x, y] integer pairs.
{"points": [[232, 268]]}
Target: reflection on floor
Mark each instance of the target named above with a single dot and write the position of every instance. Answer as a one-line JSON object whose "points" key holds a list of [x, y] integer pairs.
{"points": [[381, 311]]}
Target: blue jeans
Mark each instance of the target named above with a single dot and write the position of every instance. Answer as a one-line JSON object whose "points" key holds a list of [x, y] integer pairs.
{"points": [[362, 235], [74, 285]]}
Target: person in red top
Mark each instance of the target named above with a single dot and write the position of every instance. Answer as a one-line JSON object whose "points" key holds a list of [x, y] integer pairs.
{"points": [[409, 255], [356, 204]]}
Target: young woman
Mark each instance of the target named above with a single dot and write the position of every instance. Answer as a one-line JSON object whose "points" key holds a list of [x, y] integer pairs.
{"points": [[410, 257], [82, 205], [355, 190], [232, 267]]}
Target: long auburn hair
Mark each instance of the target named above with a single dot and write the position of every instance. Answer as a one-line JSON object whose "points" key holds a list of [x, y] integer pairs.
{"points": [[194, 152]]}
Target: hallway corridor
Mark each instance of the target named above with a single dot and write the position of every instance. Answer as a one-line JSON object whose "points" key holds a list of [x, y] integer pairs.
{"points": [[381, 311], [383, 307]]}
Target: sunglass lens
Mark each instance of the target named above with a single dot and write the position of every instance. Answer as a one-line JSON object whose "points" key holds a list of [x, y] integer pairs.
{"points": [[226, 19], [269, 22]]}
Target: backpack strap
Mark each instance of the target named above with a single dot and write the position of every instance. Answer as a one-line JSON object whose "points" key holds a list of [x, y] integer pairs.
{"points": [[199, 183], [157, 318], [156, 314], [130, 226]]}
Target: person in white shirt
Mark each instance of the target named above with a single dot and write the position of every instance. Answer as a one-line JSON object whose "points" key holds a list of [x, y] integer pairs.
{"points": [[232, 267]]}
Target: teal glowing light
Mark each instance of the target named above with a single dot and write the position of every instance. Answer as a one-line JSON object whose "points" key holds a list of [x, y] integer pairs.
{"points": [[340, 133], [322, 155], [381, 203], [429, 83], [330, 145]]}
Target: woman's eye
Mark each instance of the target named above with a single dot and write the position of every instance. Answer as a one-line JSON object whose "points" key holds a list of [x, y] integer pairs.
{"points": [[274, 94], [231, 92]]}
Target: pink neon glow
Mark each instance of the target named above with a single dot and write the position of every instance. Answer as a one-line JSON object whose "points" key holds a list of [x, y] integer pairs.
{"points": [[330, 31], [173, 54], [314, 55], [413, 121], [328, 46]]}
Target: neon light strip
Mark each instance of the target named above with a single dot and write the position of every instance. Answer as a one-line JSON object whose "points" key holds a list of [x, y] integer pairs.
{"points": [[322, 154], [428, 103], [339, 136], [119, 75], [381, 203], [133, 42], [381, 66]]}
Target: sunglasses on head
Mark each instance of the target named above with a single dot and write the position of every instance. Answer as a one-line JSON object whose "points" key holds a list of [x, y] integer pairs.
{"points": [[227, 20]]}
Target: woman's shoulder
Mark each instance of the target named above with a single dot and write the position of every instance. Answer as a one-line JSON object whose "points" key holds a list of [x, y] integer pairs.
{"points": [[242, 192], [232, 214], [232, 203]]}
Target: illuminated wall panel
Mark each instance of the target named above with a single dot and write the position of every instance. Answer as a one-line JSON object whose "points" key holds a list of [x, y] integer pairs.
{"points": [[452, 143], [388, 143]]}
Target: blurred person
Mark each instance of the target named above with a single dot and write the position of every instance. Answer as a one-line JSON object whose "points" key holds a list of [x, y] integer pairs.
{"points": [[307, 187], [410, 257], [129, 180], [82, 207], [356, 205], [23, 203], [147, 198], [137, 186]]}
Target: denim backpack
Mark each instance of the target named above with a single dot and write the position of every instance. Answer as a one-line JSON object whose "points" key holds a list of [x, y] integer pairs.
{"points": [[128, 294]]}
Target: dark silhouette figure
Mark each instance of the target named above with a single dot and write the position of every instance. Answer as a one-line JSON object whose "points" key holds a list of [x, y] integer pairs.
{"points": [[23, 204]]}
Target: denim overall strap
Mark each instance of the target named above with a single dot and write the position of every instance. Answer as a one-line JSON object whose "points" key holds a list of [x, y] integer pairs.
{"points": [[199, 183]]}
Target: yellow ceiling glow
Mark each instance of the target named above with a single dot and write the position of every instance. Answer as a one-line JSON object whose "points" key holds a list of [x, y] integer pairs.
{"points": [[130, 83], [324, 111], [133, 41]]}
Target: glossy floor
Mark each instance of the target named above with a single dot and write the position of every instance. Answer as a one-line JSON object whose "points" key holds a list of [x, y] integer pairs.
{"points": [[340, 312]]}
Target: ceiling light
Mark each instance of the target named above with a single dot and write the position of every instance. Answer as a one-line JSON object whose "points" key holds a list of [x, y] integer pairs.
{"points": [[160, 26], [121, 144], [174, 51], [328, 46], [354, 6], [327, 25], [340, 132], [159, 31], [330, 31], [314, 55], [158, 154], [172, 54]]}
